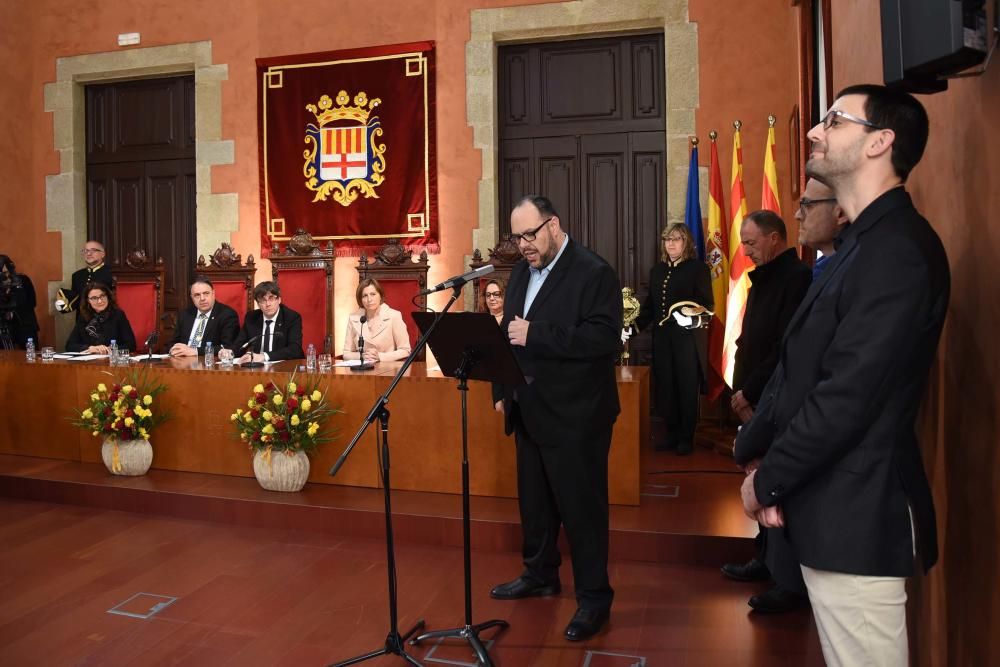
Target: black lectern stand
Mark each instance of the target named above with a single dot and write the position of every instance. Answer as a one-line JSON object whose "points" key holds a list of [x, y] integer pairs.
{"points": [[469, 346]]}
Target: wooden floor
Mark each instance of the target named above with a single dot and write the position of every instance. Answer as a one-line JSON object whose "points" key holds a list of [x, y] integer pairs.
{"points": [[255, 596]]}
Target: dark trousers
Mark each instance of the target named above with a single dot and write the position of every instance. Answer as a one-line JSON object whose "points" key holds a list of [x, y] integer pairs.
{"points": [[565, 483], [779, 556], [678, 382]]}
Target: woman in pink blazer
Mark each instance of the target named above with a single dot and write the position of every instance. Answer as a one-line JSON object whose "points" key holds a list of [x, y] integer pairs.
{"points": [[385, 335]]}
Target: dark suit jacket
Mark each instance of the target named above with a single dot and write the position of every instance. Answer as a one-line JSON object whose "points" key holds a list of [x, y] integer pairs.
{"points": [[840, 408], [574, 338], [287, 341], [221, 329], [79, 281], [776, 290], [116, 328]]}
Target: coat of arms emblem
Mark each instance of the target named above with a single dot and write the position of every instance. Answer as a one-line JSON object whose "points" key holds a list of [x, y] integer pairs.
{"points": [[343, 157]]}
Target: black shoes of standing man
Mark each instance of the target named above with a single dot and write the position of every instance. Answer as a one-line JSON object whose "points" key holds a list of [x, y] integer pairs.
{"points": [[776, 600], [585, 623]]}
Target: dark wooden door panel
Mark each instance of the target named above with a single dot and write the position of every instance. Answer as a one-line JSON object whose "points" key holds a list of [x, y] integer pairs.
{"points": [[605, 185], [581, 81], [557, 165]]}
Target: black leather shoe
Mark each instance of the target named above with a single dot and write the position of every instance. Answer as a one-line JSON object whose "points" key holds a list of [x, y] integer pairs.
{"points": [[777, 601], [522, 588], [586, 623], [755, 570]]}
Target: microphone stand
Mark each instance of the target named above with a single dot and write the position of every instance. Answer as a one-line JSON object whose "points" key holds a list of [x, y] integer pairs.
{"points": [[395, 643], [361, 351], [149, 346], [251, 363]]}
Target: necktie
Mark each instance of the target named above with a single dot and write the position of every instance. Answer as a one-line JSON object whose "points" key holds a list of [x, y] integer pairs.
{"points": [[199, 330], [265, 343]]}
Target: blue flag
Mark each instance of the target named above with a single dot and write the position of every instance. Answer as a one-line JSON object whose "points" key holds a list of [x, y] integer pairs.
{"points": [[692, 211]]}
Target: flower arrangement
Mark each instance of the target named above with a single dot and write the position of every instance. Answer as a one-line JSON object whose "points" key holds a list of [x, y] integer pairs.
{"points": [[283, 419], [124, 410]]}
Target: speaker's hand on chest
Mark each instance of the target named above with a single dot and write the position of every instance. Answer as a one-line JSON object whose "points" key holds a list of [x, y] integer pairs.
{"points": [[517, 331]]}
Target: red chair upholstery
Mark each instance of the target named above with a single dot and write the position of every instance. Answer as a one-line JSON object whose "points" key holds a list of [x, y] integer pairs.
{"points": [[304, 272], [503, 258], [233, 281], [401, 278], [139, 287]]}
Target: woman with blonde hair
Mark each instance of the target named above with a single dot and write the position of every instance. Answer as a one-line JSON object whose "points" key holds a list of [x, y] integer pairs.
{"points": [[677, 366], [382, 327]]}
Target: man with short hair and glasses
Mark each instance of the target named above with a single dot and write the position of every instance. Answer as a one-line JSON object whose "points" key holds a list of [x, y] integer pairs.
{"points": [[821, 220], [563, 317], [96, 270], [273, 332], [843, 474]]}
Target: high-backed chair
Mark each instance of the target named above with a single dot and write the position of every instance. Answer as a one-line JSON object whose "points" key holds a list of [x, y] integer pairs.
{"points": [[401, 279], [233, 280], [304, 272], [140, 285], [503, 258]]}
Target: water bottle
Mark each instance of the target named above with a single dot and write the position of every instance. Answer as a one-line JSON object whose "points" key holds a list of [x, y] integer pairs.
{"points": [[311, 358], [113, 352], [29, 350], [209, 357]]}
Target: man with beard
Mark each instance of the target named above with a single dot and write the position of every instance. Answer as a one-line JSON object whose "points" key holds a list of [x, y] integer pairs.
{"points": [[843, 473]]}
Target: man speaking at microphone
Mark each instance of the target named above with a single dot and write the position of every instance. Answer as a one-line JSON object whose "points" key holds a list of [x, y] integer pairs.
{"points": [[276, 328], [563, 316]]}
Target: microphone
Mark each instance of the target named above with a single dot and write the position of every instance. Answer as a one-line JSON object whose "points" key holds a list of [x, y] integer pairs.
{"points": [[458, 281], [244, 346], [151, 338], [363, 366]]}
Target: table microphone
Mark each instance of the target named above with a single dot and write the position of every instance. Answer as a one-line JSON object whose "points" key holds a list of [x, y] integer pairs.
{"points": [[363, 366]]}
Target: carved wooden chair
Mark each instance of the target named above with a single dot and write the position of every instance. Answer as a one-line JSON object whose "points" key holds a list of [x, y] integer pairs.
{"points": [[140, 285], [401, 279], [503, 258], [304, 272], [233, 281]]}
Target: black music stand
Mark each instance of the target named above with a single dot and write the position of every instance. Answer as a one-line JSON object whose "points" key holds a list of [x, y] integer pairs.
{"points": [[469, 346]]}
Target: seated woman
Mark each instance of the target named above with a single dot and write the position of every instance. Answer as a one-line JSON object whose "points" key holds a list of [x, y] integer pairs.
{"points": [[493, 297], [101, 321], [383, 329]]}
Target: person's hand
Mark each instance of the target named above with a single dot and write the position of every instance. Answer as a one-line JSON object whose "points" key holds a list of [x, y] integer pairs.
{"points": [[771, 517], [251, 356], [498, 406], [517, 331], [751, 466], [741, 406], [751, 506], [98, 349], [626, 334], [371, 356], [182, 350]]}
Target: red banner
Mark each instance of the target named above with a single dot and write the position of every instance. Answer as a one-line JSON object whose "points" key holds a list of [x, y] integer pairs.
{"points": [[347, 147]]}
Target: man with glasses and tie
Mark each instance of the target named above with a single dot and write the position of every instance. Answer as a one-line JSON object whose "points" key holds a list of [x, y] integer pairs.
{"points": [[205, 321], [273, 332], [843, 475], [95, 271]]}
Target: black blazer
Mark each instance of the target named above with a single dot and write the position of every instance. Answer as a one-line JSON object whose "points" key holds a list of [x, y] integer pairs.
{"points": [[115, 327], [80, 280], [287, 334], [837, 417], [221, 329], [573, 341]]}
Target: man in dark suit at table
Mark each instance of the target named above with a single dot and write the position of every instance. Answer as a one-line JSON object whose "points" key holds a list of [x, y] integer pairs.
{"points": [[563, 316], [844, 473], [274, 331], [204, 321]]}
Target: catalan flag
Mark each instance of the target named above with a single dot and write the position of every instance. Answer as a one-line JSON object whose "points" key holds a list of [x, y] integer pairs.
{"points": [[692, 211], [717, 256], [769, 199], [739, 264]]}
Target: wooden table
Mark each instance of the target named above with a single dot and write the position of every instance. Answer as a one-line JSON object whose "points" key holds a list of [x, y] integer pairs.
{"points": [[425, 425]]}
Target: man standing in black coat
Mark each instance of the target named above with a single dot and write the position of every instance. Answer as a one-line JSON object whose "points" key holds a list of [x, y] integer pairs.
{"points": [[563, 316], [204, 321], [274, 331], [843, 473], [778, 283], [95, 271]]}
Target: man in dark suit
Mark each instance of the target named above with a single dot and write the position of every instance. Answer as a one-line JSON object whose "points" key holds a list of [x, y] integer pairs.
{"points": [[274, 331], [563, 316], [777, 284], [843, 473], [95, 271], [204, 321]]}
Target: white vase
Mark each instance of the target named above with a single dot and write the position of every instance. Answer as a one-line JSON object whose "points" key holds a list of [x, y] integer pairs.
{"points": [[281, 471], [133, 456]]}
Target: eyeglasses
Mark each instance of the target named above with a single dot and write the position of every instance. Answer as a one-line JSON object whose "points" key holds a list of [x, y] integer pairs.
{"points": [[97, 299], [86, 250], [494, 295], [529, 235], [805, 203], [270, 298], [832, 120]]}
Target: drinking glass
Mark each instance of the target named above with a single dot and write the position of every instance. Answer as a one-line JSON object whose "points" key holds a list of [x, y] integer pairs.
{"points": [[48, 353], [325, 363], [225, 358], [123, 357]]}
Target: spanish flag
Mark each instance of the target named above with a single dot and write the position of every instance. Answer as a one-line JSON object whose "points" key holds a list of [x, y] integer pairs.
{"points": [[717, 256], [769, 199], [739, 264]]}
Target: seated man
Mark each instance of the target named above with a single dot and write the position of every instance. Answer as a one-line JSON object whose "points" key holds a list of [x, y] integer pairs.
{"points": [[205, 321], [273, 332]]}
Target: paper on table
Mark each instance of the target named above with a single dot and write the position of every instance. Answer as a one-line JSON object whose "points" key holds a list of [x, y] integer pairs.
{"points": [[348, 362], [83, 357], [143, 357]]}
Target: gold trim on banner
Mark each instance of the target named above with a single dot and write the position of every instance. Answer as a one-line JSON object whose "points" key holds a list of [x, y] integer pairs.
{"points": [[419, 62], [408, 57], [421, 222], [274, 79]]}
